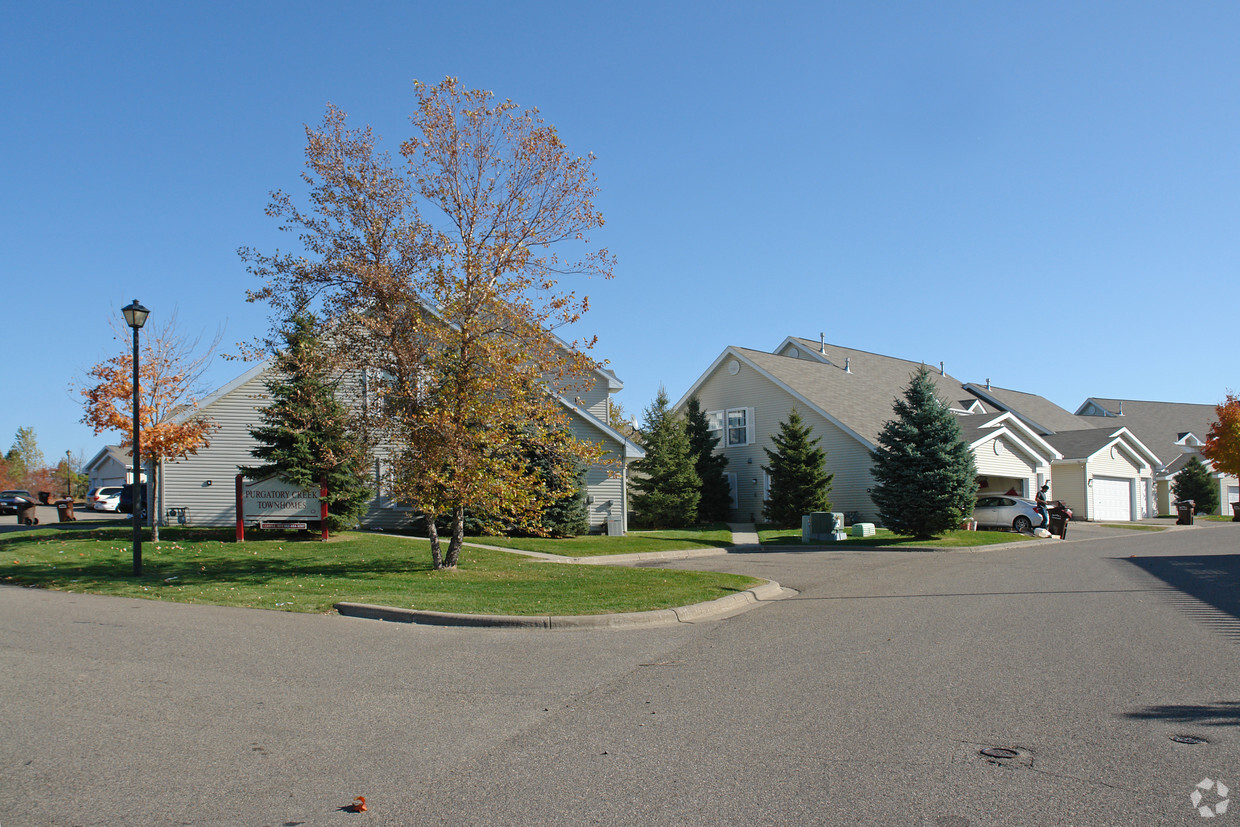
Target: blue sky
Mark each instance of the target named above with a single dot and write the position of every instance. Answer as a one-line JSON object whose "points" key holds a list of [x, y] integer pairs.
{"points": [[1043, 194]]}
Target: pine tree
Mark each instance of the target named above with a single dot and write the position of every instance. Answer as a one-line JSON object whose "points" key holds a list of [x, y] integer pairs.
{"points": [[305, 437], [1195, 482], [799, 480], [715, 504], [925, 478], [667, 486]]}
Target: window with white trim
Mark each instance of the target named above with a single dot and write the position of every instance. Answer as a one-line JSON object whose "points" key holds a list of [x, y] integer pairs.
{"points": [[714, 425], [739, 430]]}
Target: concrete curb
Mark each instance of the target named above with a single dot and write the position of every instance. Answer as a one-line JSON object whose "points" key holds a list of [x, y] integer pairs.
{"points": [[711, 610]]}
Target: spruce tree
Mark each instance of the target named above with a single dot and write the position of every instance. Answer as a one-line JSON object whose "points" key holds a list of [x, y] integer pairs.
{"points": [[1194, 482], [924, 475], [667, 488], [306, 437], [715, 504], [799, 479]]}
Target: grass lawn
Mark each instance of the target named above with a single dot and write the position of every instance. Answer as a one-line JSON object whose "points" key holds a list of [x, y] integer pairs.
{"points": [[886, 539], [296, 573], [713, 536]]}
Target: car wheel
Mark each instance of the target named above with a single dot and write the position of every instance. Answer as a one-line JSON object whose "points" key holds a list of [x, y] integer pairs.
{"points": [[1022, 524]]}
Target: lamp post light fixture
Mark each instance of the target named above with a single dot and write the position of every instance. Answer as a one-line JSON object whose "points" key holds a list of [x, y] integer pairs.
{"points": [[135, 317]]}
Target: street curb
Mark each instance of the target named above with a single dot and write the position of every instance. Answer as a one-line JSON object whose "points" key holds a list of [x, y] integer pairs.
{"points": [[710, 610]]}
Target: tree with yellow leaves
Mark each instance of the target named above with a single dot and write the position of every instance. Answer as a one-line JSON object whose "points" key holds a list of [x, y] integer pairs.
{"points": [[440, 279]]}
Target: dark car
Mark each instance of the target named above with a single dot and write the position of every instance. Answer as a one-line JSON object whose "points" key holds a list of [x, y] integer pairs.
{"points": [[8, 500], [125, 503]]}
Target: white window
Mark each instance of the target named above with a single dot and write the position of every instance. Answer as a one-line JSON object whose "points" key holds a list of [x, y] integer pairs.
{"points": [[714, 425], [739, 427]]}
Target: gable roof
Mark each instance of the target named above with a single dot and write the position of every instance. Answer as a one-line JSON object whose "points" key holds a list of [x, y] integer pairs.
{"points": [[1083, 444], [1161, 425], [122, 456], [853, 389], [1040, 413]]}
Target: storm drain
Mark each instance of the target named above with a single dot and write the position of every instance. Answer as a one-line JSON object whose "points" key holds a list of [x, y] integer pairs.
{"points": [[1189, 739]]}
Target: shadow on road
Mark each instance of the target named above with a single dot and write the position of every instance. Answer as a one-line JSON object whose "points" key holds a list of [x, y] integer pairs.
{"points": [[1224, 713], [1206, 587]]}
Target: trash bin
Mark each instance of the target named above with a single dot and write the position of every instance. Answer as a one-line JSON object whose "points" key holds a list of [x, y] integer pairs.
{"points": [[1235, 512], [64, 510], [1184, 512], [45, 497], [26, 512], [1058, 525]]}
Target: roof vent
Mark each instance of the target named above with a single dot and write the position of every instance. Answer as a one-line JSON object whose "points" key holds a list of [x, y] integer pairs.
{"points": [[822, 343], [1121, 408], [987, 383], [848, 364], [942, 370]]}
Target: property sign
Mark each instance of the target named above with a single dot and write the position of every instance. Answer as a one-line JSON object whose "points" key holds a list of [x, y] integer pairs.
{"points": [[273, 501]]}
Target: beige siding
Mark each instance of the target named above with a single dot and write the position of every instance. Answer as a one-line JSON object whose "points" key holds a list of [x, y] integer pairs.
{"points": [[847, 458], [205, 483], [1068, 484], [185, 482]]}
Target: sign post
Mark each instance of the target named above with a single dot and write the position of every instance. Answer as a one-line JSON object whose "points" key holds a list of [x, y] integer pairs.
{"points": [[323, 506]]}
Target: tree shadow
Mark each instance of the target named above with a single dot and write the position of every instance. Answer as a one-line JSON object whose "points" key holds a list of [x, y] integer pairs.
{"points": [[1206, 587], [1223, 713]]}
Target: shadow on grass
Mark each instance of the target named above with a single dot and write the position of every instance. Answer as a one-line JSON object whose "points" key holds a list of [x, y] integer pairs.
{"points": [[1205, 587]]}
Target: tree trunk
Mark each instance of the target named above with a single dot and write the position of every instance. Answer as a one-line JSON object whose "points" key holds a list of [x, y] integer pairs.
{"points": [[433, 533], [458, 537]]}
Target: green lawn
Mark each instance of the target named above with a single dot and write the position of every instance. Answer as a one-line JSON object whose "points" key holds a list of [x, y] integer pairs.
{"points": [[637, 541], [301, 574], [886, 539]]}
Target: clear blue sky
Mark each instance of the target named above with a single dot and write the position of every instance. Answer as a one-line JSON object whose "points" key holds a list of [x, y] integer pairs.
{"points": [[1045, 194]]}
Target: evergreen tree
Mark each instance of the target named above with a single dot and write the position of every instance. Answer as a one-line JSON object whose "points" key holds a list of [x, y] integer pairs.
{"points": [[667, 486], [799, 480], [569, 515], [1196, 483], [925, 478], [305, 437], [715, 504]]}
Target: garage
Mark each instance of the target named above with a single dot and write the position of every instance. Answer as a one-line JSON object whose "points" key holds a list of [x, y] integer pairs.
{"points": [[1112, 499], [1233, 494]]}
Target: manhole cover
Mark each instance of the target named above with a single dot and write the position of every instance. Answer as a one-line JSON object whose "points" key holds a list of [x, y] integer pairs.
{"points": [[999, 752], [1188, 739]]}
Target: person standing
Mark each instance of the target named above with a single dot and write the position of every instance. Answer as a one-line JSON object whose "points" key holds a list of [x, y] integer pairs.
{"points": [[1039, 502]]}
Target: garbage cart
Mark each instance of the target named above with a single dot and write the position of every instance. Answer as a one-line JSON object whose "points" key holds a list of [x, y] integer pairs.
{"points": [[1184, 512], [64, 510], [26, 512]]}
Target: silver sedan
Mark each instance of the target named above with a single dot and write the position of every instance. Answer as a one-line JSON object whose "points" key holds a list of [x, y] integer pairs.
{"points": [[1016, 513]]}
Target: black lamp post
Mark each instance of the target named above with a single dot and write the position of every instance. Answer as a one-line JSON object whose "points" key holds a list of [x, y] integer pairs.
{"points": [[135, 317]]}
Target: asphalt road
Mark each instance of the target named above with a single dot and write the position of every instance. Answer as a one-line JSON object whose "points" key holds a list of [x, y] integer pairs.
{"points": [[864, 699]]}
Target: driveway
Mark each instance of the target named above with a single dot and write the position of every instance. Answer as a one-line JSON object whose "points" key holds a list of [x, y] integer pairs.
{"points": [[865, 699]]}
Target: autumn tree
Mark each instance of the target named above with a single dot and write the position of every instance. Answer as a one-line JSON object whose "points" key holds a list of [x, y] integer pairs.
{"points": [[25, 460], [170, 370], [1222, 446], [305, 436], [440, 278]]}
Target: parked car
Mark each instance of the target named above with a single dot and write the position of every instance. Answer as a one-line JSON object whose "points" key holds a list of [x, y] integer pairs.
{"points": [[124, 502], [106, 498], [8, 500], [1016, 513]]}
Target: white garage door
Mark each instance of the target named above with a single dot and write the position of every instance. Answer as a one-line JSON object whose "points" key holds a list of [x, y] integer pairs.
{"points": [[1233, 494], [1112, 498]]}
